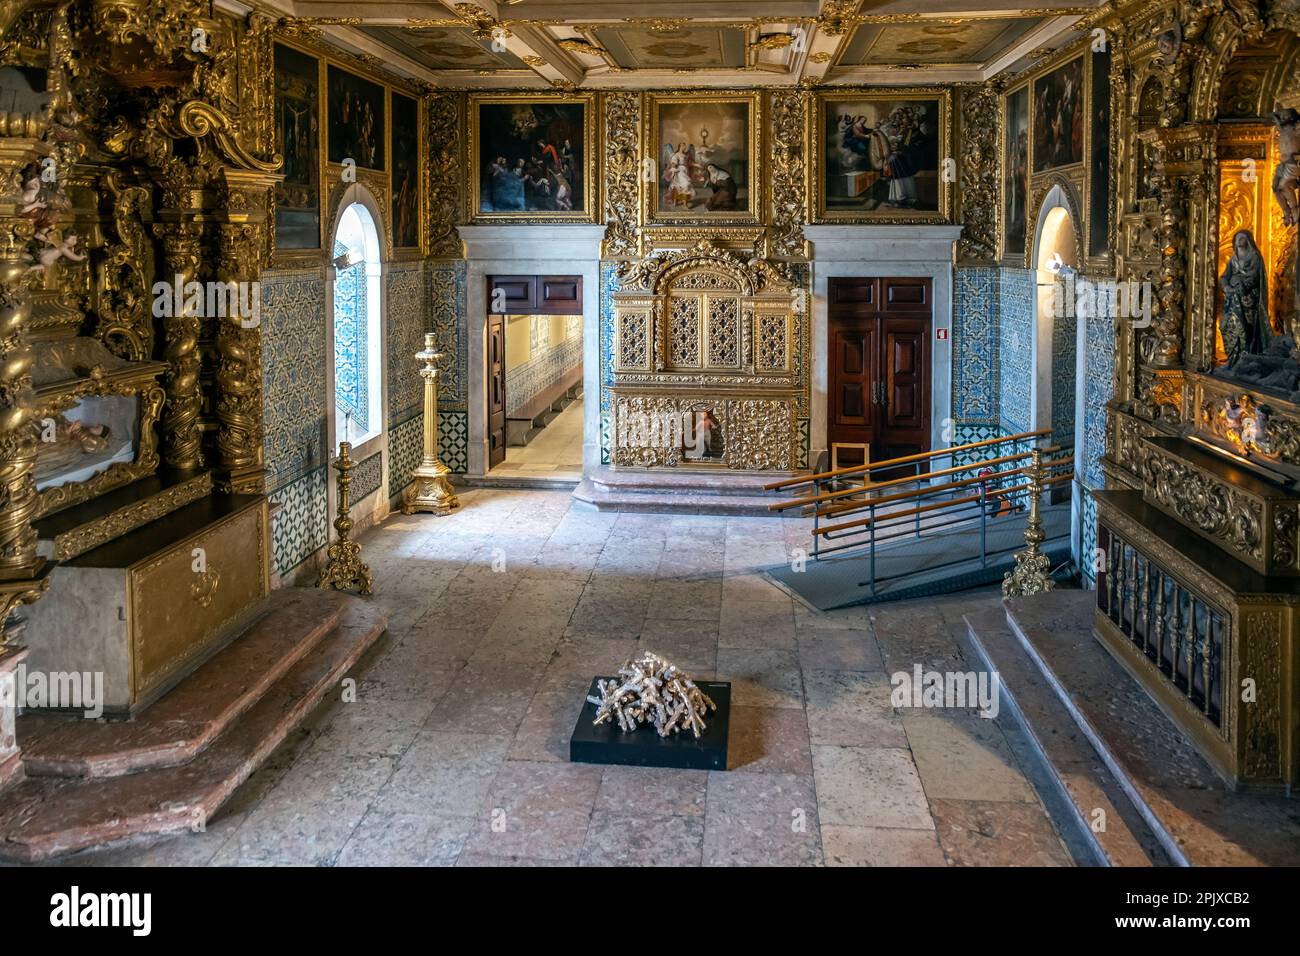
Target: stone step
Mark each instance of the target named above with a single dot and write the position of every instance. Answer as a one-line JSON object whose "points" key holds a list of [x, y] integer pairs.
{"points": [[673, 490], [45, 817], [602, 498], [184, 722], [1197, 818], [1089, 792]]}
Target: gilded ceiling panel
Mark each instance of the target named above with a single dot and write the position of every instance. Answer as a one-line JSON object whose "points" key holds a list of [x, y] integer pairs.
{"points": [[445, 48], [935, 42], [687, 48]]}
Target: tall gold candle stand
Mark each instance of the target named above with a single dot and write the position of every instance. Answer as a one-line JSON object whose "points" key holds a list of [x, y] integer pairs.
{"points": [[1032, 566], [430, 491], [345, 570]]}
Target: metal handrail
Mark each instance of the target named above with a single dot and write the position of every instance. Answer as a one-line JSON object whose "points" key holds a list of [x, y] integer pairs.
{"points": [[828, 510], [904, 460], [939, 505]]}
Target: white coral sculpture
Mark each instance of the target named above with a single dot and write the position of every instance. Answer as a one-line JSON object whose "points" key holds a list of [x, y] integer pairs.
{"points": [[651, 690]]}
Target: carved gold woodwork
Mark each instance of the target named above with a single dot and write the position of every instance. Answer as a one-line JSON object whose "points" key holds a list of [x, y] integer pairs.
{"points": [[621, 175], [979, 180], [701, 332], [444, 119], [1253, 740], [72, 369], [788, 178], [1276, 445]]}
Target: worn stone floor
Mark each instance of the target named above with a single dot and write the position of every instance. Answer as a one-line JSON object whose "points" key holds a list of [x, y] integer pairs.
{"points": [[455, 749], [556, 450]]}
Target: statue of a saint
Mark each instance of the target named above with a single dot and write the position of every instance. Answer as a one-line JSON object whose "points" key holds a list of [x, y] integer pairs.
{"points": [[1245, 323]]}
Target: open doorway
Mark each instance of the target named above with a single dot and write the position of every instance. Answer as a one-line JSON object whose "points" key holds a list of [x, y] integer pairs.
{"points": [[535, 402]]}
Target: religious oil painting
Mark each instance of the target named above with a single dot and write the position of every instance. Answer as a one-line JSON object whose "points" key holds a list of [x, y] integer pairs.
{"points": [[881, 156], [406, 172], [356, 120], [531, 157], [704, 151], [1059, 117], [297, 122], [1099, 157], [1015, 172]]}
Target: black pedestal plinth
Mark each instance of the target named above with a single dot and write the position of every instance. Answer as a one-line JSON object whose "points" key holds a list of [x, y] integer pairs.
{"points": [[644, 747]]}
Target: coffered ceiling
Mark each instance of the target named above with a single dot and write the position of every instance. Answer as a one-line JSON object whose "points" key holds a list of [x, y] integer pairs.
{"points": [[499, 44]]}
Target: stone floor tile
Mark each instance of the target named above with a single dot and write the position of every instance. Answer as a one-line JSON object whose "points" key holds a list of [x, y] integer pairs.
{"points": [[444, 774], [761, 678], [406, 839], [652, 791], [769, 740], [486, 700], [963, 757], [761, 819], [851, 709], [880, 846], [616, 839], [988, 833], [869, 787]]}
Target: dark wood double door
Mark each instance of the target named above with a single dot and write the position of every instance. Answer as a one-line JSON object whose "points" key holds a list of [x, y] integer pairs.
{"points": [[879, 352]]}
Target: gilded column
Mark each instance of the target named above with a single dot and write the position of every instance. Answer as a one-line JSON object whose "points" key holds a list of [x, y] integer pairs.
{"points": [[238, 400], [22, 571], [1184, 156], [180, 229]]}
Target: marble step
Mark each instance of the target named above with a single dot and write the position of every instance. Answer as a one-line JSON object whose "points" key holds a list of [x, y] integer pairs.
{"points": [[681, 491], [184, 722], [594, 496], [1198, 819], [46, 817], [1089, 792]]}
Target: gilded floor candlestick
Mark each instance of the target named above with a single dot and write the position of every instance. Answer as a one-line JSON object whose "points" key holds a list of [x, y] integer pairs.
{"points": [[1032, 566], [345, 571], [430, 490]]}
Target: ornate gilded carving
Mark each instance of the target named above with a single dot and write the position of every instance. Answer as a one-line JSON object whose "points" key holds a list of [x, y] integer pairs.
{"points": [[1205, 503], [242, 254], [979, 175], [760, 435], [621, 174], [446, 173], [117, 523], [125, 319], [182, 436], [655, 272], [789, 173], [1262, 719]]}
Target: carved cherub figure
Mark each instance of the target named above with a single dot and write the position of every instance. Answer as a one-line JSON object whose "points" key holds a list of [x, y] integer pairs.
{"points": [[31, 196], [1286, 178], [67, 249]]}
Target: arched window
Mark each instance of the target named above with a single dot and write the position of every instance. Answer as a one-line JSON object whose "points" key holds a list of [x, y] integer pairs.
{"points": [[358, 389]]}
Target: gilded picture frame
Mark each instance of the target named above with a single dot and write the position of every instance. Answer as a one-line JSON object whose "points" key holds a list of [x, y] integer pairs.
{"points": [[1013, 225], [869, 195], [714, 173], [406, 173], [484, 109]]}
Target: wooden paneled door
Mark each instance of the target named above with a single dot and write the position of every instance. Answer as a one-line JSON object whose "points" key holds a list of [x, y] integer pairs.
{"points": [[496, 389], [879, 352]]}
